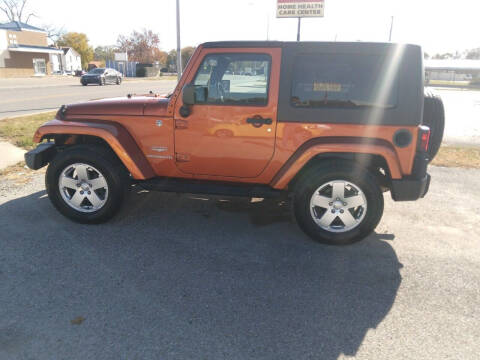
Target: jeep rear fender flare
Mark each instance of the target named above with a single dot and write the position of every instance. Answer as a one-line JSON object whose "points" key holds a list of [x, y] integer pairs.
{"points": [[115, 135], [302, 156]]}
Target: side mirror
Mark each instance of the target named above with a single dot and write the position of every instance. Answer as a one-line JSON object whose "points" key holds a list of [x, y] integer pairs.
{"points": [[194, 94], [188, 94]]}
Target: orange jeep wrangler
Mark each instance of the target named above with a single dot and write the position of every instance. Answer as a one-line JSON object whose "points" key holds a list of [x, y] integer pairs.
{"points": [[332, 125]]}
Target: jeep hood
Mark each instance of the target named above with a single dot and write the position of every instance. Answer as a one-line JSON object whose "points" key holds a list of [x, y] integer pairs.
{"points": [[133, 106]]}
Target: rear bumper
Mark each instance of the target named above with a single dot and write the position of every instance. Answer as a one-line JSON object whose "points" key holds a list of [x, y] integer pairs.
{"points": [[40, 156], [415, 186]]}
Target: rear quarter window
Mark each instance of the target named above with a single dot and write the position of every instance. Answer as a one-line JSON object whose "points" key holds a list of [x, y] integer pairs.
{"points": [[343, 81]]}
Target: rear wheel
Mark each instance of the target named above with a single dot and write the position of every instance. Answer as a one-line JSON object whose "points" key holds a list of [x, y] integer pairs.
{"points": [[87, 183], [338, 203], [434, 118]]}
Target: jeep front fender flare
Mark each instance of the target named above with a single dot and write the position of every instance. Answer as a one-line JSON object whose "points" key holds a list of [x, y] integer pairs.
{"points": [[115, 135], [298, 160]]}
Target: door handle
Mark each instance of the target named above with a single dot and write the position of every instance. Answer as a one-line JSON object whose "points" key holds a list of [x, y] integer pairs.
{"points": [[257, 121]]}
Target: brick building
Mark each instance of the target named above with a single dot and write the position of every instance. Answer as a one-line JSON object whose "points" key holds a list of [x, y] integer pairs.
{"points": [[24, 51]]}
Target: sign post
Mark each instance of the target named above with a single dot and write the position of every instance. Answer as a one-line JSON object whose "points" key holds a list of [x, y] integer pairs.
{"points": [[179, 49], [122, 58], [299, 9]]}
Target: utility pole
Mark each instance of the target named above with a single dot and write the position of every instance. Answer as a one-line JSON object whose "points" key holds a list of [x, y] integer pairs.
{"points": [[268, 27], [298, 30], [391, 29], [179, 50]]}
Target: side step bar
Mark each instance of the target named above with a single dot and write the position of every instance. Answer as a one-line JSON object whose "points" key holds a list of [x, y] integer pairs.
{"points": [[209, 187]]}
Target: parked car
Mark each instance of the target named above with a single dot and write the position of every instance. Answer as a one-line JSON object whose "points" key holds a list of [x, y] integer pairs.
{"points": [[101, 76], [330, 127]]}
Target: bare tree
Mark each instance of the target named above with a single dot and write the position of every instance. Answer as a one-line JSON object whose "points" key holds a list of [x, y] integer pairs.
{"points": [[54, 33], [16, 10]]}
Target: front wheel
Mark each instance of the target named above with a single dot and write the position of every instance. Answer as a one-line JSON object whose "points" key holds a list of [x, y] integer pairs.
{"points": [[87, 183], [119, 80], [338, 203]]}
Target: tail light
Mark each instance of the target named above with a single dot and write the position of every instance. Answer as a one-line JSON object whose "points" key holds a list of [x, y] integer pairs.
{"points": [[423, 138]]}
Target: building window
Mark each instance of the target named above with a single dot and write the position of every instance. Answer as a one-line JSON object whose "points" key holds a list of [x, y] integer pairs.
{"points": [[39, 66]]}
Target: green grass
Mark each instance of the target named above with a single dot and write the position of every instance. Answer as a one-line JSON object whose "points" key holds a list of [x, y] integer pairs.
{"points": [[19, 130]]}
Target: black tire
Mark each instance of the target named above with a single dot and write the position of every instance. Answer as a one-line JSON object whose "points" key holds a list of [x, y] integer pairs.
{"points": [[119, 80], [100, 158], [434, 118], [328, 171], [84, 83], [101, 82]]}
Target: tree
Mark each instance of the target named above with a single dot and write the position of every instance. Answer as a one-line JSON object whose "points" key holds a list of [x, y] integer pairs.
{"points": [[473, 54], [104, 53], [186, 52], [79, 42], [143, 47], [54, 33], [16, 10], [443, 56], [172, 60]]}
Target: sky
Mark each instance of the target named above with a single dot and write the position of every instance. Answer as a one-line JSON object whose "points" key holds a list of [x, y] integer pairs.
{"points": [[437, 25]]}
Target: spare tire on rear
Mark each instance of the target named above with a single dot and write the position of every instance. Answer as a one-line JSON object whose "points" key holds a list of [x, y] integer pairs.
{"points": [[434, 118]]}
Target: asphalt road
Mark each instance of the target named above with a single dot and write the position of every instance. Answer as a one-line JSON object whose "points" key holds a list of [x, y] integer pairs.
{"points": [[181, 277], [31, 95]]}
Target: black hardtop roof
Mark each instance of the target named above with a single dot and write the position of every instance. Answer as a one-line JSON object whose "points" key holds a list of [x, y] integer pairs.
{"points": [[300, 44]]}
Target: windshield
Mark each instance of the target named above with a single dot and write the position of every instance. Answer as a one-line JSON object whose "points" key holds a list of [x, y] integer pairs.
{"points": [[96, 71]]}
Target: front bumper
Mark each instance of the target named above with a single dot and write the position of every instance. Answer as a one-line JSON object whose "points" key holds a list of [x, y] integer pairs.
{"points": [[40, 156], [90, 80], [416, 185]]}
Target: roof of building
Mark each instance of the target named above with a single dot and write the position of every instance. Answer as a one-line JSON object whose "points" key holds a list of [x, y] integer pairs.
{"points": [[34, 48], [19, 26], [66, 49], [453, 64]]}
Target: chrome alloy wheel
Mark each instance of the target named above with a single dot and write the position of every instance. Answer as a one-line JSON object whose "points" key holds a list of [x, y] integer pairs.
{"points": [[83, 187], [338, 206]]}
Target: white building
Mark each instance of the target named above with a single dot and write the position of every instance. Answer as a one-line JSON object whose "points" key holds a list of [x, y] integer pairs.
{"points": [[71, 60], [452, 70]]}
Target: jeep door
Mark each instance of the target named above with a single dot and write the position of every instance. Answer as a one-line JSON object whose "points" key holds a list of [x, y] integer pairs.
{"points": [[230, 129]]}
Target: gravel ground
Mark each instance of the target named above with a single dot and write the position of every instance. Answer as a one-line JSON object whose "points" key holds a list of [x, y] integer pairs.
{"points": [[184, 277]]}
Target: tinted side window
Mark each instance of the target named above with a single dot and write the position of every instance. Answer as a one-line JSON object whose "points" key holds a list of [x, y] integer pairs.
{"points": [[235, 79], [343, 81]]}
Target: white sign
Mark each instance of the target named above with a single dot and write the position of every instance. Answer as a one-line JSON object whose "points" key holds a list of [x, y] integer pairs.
{"points": [[300, 8], [121, 56]]}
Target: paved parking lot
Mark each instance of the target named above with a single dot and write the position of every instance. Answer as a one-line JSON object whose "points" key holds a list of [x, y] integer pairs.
{"points": [[181, 277]]}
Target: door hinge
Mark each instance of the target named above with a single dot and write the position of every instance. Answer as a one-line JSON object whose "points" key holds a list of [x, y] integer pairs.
{"points": [[182, 157]]}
